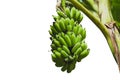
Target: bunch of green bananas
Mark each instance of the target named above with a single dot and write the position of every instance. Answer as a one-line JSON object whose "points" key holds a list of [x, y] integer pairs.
{"points": [[67, 36]]}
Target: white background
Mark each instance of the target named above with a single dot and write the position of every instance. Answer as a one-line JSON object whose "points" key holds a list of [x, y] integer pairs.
{"points": [[25, 45]]}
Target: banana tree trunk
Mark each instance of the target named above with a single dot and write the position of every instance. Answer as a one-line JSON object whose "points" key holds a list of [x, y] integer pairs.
{"points": [[114, 41]]}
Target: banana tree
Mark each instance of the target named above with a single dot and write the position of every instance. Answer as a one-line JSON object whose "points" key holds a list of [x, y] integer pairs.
{"points": [[105, 14]]}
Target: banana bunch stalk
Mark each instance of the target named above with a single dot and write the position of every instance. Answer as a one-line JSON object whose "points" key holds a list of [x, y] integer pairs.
{"points": [[68, 39]]}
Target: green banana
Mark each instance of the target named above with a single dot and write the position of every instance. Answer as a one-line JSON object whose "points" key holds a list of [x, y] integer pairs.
{"points": [[57, 54], [59, 59], [73, 13], [83, 34], [62, 25], [80, 18], [71, 67], [73, 37], [78, 39], [68, 40], [69, 28], [71, 58], [78, 51], [50, 32], [84, 46], [57, 27], [83, 54], [67, 12], [59, 63], [62, 34], [64, 67], [53, 46], [67, 60], [53, 30], [75, 57], [72, 23], [80, 29], [67, 20], [53, 57], [64, 54], [56, 17], [57, 43], [77, 16], [61, 14], [76, 46], [69, 33], [65, 48], [75, 30], [62, 41], [59, 49]]}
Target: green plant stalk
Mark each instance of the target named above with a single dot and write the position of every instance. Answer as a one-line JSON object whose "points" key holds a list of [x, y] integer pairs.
{"points": [[111, 34], [106, 18], [114, 35], [117, 37]]}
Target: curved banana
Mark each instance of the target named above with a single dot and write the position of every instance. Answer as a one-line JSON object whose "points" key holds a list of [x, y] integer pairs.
{"points": [[71, 67], [64, 67], [67, 20], [84, 46], [77, 45], [69, 28], [67, 12], [57, 43], [57, 27], [53, 46], [73, 13], [57, 54], [72, 22], [78, 51], [62, 25], [83, 34], [80, 18], [68, 40], [77, 16], [56, 17], [64, 54], [53, 57], [80, 29], [73, 37], [62, 41], [78, 39], [59, 49], [61, 14], [54, 31], [83, 54], [75, 30], [65, 48]]}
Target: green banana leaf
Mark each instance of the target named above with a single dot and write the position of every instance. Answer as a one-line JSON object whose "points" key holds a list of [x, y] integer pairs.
{"points": [[89, 4], [115, 9]]}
